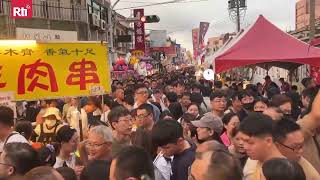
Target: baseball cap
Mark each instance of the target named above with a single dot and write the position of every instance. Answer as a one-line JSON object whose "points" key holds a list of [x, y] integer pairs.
{"points": [[209, 121]]}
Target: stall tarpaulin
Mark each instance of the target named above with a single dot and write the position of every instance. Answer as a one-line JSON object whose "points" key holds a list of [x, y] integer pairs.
{"points": [[263, 42], [51, 70]]}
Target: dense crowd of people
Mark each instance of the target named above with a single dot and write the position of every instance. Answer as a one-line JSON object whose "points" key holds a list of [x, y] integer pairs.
{"points": [[167, 127]]}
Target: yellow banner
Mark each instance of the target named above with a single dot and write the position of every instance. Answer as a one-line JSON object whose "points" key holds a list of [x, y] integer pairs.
{"points": [[51, 70]]}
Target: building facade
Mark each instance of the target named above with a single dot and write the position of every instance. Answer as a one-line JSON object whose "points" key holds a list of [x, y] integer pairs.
{"points": [[50, 18], [122, 28], [302, 32], [66, 20], [303, 13]]}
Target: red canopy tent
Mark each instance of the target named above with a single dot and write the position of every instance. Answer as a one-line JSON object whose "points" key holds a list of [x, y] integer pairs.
{"points": [[265, 45]]}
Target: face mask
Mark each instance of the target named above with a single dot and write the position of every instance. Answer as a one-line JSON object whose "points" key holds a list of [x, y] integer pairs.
{"points": [[248, 106]]}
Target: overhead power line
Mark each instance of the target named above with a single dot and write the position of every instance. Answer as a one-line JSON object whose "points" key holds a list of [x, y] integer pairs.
{"points": [[162, 3]]}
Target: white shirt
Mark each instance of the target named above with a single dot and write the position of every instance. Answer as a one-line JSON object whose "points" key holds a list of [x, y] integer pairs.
{"points": [[163, 166], [71, 162], [104, 116], [206, 108], [12, 139], [74, 120]]}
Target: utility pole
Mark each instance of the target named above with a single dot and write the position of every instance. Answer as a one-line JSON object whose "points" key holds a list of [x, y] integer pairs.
{"points": [[238, 16], [237, 10], [312, 22], [111, 37]]}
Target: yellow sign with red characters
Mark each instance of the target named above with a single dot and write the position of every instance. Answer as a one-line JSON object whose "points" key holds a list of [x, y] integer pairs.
{"points": [[34, 70]]}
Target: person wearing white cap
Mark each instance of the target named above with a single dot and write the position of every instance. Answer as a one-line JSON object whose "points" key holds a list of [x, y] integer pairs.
{"points": [[47, 131], [209, 127]]}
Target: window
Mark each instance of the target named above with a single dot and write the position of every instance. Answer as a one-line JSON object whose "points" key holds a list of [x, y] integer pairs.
{"points": [[96, 9], [89, 4], [104, 13]]}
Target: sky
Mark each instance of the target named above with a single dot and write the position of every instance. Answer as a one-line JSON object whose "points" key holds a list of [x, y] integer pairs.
{"points": [[180, 18]]}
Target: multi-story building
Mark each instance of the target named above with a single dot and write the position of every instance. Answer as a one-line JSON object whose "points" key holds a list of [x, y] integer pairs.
{"points": [[57, 20], [122, 28], [302, 32], [303, 13], [215, 43]]}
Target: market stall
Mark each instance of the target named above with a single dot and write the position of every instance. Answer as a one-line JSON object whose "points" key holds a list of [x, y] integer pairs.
{"points": [[265, 45]]}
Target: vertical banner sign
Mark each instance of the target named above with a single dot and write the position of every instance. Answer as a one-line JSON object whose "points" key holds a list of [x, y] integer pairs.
{"points": [[204, 26], [195, 41], [315, 74], [53, 70], [139, 31], [21, 9]]}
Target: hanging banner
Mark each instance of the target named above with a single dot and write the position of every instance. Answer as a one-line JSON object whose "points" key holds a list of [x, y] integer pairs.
{"points": [[139, 31], [195, 41], [204, 26], [52, 70], [169, 51]]}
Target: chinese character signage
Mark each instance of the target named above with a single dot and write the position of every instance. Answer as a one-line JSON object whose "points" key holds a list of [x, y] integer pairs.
{"points": [[195, 41], [204, 26], [52, 70], [139, 31], [21, 9]]}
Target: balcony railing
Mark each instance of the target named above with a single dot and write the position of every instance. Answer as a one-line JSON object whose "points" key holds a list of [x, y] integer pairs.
{"points": [[52, 10]]}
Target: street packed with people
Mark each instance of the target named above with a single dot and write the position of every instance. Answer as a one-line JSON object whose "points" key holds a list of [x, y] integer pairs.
{"points": [[167, 126], [105, 90]]}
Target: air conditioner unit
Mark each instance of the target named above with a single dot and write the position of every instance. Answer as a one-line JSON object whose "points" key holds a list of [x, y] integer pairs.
{"points": [[94, 20], [103, 24]]}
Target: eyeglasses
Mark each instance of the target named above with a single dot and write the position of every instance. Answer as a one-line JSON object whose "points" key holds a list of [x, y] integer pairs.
{"points": [[142, 116], [295, 149], [127, 120], [142, 92], [95, 146]]}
